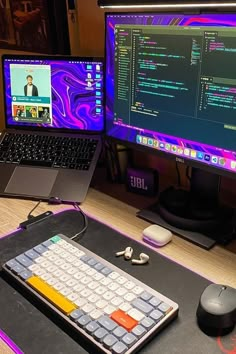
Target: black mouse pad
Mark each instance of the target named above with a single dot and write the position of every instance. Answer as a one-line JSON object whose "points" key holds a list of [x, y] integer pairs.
{"points": [[35, 331]]}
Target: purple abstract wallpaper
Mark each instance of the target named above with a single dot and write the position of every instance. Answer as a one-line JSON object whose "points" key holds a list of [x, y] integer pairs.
{"points": [[197, 150], [69, 92]]}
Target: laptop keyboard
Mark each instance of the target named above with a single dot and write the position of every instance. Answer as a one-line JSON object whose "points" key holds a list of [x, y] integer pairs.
{"points": [[112, 309], [48, 151]]}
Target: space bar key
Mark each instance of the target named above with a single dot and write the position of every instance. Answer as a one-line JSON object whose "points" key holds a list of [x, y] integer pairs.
{"points": [[36, 163]]}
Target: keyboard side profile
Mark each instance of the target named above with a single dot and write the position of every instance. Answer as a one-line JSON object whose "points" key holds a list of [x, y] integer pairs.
{"points": [[114, 311]]}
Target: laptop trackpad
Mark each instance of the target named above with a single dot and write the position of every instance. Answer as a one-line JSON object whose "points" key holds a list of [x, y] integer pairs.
{"points": [[31, 181]]}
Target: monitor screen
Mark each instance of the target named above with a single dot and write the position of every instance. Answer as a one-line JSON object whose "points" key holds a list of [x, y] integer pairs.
{"points": [[171, 86], [54, 92]]}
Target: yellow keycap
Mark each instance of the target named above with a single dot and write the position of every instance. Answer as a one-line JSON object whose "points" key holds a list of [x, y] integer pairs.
{"points": [[51, 295]]}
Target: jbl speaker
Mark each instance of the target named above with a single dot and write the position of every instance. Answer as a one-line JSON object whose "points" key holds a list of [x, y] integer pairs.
{"points": [[142, 181]]}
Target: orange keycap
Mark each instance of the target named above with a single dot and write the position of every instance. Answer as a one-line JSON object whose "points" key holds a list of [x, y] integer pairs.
{"points": [[124, 320], [51, 295]]}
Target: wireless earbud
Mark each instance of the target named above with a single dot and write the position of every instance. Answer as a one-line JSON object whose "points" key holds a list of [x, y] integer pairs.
{"points": [[143, 258], [127, 253]]}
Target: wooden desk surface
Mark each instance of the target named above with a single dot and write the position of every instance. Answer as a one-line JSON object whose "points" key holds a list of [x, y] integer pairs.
{"points": [[218, 264]]}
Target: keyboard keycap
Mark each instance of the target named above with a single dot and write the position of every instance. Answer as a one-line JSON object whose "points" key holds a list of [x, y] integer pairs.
{"points": [[100, 333], [156, 315], [129, 339], [92, 327], [32, 254], [76, 314], [119, 332], [24, 261], [83, 321], [142, 306], [124, 320], [107, 323], [119, 348], [51, 295], [165, 308], [109, 341], [36, 163], [12, 263], [139, 331], [147, 323]]}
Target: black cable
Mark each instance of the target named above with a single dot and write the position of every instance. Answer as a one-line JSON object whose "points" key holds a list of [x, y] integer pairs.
{"points": [[35, 207], [76, 206], [178, 174]]}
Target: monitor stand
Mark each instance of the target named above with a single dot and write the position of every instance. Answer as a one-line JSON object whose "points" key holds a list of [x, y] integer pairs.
{"points": [[195, 215]]}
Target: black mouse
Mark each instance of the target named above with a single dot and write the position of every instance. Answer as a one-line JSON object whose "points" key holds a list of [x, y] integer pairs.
{"points": [[217, 309]]}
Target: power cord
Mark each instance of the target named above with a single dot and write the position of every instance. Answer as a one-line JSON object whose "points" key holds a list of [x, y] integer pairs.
{"points": [[30, 216], [76, 206]]}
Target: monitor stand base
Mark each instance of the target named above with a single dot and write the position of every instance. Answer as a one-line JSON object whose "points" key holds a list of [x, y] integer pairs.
{"points": [[204, 240]]}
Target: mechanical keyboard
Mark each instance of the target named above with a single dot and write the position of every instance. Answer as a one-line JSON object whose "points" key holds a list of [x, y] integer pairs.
{"points": [[115, 311]]}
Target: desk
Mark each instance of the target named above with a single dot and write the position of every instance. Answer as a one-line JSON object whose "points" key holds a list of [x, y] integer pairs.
{"points": [[218, 264]]}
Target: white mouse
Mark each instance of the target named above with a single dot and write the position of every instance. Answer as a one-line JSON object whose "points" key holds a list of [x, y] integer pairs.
{"points": [[157, 236]]}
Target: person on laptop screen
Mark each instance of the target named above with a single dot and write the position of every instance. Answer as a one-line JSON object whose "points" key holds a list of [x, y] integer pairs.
{"points": [[30, 89]]}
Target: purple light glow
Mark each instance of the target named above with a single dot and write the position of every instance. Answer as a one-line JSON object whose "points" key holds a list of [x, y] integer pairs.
{"points": [[10, 343]]}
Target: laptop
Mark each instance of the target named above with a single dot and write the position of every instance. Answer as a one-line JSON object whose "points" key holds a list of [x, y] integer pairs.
{"points": [[54, 118]]}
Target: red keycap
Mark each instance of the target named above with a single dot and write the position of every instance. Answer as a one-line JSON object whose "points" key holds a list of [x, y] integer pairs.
{"points": [[124, 320]]}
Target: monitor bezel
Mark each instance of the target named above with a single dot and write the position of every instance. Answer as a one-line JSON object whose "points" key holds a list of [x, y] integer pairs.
{"points": [[59, 58], [158, 152]]}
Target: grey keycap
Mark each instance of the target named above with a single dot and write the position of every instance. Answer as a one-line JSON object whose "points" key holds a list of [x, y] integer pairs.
{"points": [[40, 249], [119, 348], [76, 314], [142, 306], [25, 261], [129, 339], [83, 320], [32, 254], [85, 259], [107, 323], [139, 331], [119, 332], [99, 266], [164, 307], [154, 301], [26, 274], [106, 271], [109, 341], [12, 263], [145, 296], [147, 323], [92, 262], [156, 315], [92, 327], [18, 269], [99, 334], [47, 243]]}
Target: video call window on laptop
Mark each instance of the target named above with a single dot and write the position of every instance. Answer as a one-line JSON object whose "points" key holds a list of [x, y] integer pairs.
{"points": [[54, 116]]}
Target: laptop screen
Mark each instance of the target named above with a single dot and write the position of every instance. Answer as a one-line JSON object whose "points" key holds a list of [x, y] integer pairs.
{"points": [[61, 93]]}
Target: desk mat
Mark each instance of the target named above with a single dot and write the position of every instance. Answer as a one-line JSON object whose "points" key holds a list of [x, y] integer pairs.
{"points": [[36, 332]]}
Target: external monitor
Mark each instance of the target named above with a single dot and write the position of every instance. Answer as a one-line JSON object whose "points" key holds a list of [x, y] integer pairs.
{"points": [[171, 90]]}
